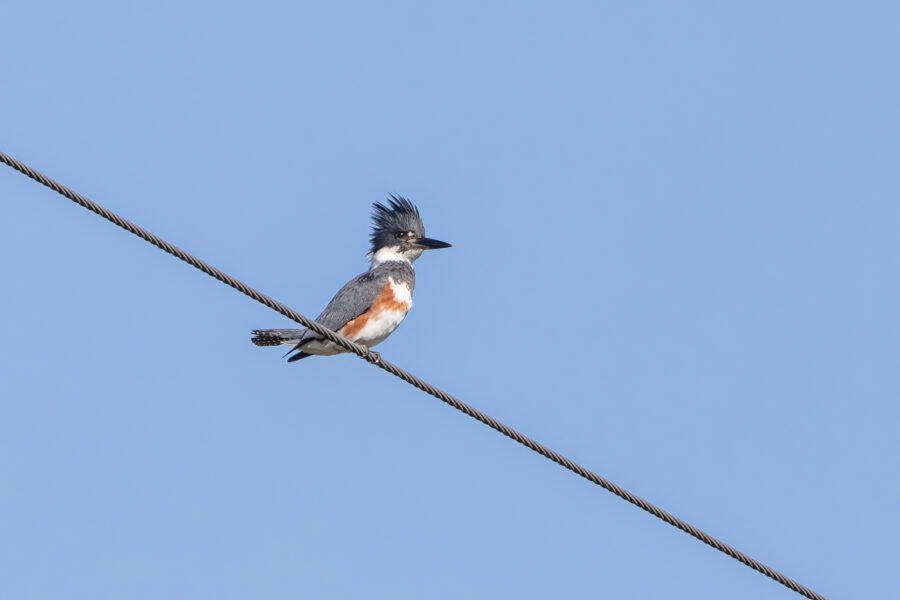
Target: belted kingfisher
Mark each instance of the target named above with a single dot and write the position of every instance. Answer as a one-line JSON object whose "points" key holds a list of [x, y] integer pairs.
{"points": [[372, 305]]}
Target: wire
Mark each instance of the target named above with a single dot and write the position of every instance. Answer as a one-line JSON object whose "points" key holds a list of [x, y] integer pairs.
{"points": [[426, 387]]}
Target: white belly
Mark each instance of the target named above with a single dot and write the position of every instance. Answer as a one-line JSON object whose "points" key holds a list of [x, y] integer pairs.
{"points": [[378, 328]]}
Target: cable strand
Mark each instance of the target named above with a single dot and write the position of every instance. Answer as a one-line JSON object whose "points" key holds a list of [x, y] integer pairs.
{"points": [[411, 379]]}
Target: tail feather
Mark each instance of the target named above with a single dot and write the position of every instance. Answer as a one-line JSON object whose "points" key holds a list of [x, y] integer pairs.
{"points": [[275, 337]]}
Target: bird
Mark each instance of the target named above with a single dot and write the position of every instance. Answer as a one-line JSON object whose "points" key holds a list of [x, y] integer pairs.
{"points": [[372, 305]]}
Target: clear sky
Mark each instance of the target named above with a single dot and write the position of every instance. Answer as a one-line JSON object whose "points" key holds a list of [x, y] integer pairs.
{"points": [[675, 260]]}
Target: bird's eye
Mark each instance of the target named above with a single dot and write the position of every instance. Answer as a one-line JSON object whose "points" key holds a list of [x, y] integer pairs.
{"points": [[400, 235]]}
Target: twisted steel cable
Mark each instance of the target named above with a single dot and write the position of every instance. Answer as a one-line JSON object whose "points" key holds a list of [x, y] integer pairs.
{"points": [[426, 387]]}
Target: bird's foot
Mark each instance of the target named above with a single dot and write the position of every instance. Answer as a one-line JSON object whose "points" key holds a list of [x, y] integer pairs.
{"points": [[373, 357]]}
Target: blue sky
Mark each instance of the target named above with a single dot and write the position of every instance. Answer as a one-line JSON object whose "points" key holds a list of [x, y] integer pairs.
{"points": [[675, 261]]}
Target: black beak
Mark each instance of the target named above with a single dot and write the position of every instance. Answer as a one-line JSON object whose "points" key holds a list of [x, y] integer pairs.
{"points": [[430, 244]]}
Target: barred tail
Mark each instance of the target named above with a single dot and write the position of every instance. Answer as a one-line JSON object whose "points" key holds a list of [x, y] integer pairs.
{"points": [[276, 337]]}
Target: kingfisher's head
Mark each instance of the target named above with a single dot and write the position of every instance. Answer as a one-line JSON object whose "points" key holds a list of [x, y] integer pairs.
{"points": [[398, 232]]}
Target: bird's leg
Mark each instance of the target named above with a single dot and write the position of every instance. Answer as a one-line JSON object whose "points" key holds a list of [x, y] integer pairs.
{"points": [[373, 357]]}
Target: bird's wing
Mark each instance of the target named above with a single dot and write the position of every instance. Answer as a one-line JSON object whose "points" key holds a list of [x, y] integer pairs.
{"points": [[352, 300]]}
